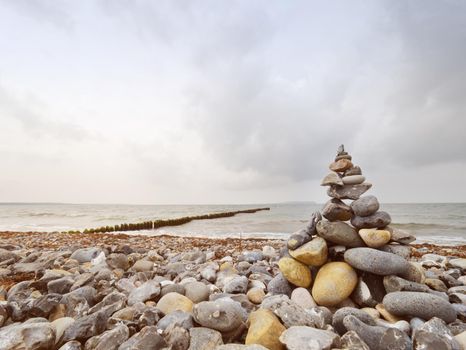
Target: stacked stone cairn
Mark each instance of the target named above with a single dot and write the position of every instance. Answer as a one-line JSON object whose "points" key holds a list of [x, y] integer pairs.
{"points": [[365, 292]]}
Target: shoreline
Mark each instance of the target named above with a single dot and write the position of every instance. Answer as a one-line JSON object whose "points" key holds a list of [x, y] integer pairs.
{"points": [[75, 291], [222, 246]]}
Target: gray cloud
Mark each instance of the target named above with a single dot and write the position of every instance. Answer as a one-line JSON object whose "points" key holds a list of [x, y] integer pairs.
{"points": [[254, 96], [28, 111], [426, 103], [50, 11], [249, 121]]}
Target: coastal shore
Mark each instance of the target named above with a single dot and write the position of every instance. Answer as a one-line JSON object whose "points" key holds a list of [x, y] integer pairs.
{"points": [[221, 246], [82, 291]]}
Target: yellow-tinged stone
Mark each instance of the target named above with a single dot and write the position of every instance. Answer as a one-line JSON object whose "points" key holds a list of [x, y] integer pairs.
{"points": [[461, 338], [125, 314], [36, 294], [58, 311], [265, 329], [415, 273], [334, 282], [387, 315], [295, 272], [340, 165], [372, 312], [375, 238], [256, 295], [313, 253], [436, 284], [227, 266], [86, 265], [174, 301]]}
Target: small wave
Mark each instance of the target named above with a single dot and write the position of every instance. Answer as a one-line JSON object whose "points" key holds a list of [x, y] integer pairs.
{"points": [[112, 217], [423, 226], [39, 214], [50, 214]]}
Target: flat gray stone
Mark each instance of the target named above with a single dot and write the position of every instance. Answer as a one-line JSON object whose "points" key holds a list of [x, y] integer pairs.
{"points": [[147, 291], [348, 191], [339, 233], [376, 261], [85, 254], [223, 315], [353, 179], [290, 313], [302, 337], [378, 220], [417, 304]]}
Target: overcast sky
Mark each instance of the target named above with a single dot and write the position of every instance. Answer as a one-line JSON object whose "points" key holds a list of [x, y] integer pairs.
{"points": [[230, 101]]}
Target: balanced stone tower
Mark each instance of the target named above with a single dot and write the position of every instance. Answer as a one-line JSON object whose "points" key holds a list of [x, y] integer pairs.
{"points": [[351, 260]]}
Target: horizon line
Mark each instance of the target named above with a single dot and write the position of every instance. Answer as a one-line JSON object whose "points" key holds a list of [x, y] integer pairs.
{"points": [[179, 204]]}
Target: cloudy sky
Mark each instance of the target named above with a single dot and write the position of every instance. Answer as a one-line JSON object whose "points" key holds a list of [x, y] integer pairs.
{"points": [[230, 101]]}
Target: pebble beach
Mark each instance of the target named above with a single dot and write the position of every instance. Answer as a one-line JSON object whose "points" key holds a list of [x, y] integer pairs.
{"points": [[346, 280]]}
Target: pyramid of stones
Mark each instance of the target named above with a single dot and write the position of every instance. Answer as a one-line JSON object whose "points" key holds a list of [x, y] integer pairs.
{"points": [[351, 259]]}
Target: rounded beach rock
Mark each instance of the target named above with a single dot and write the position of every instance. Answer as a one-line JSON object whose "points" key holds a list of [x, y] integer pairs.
{"points": [[376, 261], [336, 210], [334, 282], [295, 272], [223, 315], [353, 179], [174, 301], [365, 206], [313, 253], [374, 238], [197, 291], [418, 304], [339, 233], [265, 329], [378, 220]]}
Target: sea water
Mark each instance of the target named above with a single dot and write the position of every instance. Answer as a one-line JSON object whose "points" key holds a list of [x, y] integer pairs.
{"points": [[441, 223]]}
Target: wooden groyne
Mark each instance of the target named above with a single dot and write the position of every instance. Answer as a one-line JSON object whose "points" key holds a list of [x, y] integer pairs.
{"points": [[151, 225]]}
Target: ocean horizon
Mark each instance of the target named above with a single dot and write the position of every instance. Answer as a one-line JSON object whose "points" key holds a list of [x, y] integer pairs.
{"points": [[439, 223]]}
